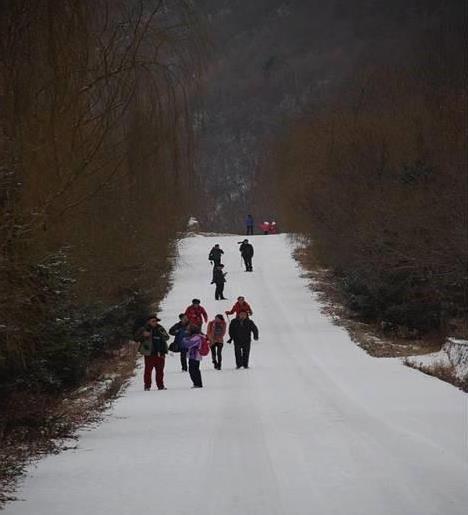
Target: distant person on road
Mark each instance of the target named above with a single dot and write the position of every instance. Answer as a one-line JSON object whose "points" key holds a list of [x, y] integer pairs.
{"points": [[192, 343], [153, 346], [180, 331], [219, 278], [265, 227], [247, 252], [240, 305], [196, 313], [216, 331], [273, 228], [215, 255], [249, 224], [241, 330]]}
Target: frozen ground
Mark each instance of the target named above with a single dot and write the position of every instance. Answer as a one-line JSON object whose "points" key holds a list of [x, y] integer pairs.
{"points": [[316, 426]]}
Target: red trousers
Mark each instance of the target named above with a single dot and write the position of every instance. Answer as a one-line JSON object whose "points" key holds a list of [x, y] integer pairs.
{"points": [[156, 362]]}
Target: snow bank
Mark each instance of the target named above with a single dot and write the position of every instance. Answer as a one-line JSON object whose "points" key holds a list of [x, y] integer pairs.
{"points": [[457, 352]]}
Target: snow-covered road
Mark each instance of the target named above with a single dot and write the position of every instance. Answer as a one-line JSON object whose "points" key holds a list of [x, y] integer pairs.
{"points": [[315, 426]]}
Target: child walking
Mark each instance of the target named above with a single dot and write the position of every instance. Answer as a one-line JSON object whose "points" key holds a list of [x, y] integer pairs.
{"points": [[216, 332], [192, 343]]}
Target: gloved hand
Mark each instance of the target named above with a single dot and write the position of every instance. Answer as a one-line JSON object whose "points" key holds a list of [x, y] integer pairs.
{"points": [[230, 340], [256, 339]]}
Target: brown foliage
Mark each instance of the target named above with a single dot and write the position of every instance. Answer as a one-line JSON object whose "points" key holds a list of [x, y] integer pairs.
{"points": [[378, 179]]}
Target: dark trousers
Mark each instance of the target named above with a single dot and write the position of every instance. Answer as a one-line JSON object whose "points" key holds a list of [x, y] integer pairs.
{"points": [[242, 352], [216, 351], [249, 229], [156, 362], [248, 263], [219, 292], [194, 370], [183, 359], [216, 261]]}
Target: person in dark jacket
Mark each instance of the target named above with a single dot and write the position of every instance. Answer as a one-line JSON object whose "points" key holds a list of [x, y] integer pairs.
{"points": [[180, 331], [241, 330], [249, 224], [153, 346], [215, 255], [247, 252], [219, 278]]}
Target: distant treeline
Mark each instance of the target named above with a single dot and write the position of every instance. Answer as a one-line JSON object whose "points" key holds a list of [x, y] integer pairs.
{"points": [[95, 175], [377, 175]]}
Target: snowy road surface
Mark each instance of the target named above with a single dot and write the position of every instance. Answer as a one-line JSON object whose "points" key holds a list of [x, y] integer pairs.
{"points": [[316, 426]]}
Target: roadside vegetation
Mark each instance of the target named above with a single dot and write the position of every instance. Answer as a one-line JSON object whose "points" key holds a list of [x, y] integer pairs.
{"points": [[96, 143]]}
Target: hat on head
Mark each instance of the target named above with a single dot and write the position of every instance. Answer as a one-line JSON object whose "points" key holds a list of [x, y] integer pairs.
{"points": [[195, 301]]}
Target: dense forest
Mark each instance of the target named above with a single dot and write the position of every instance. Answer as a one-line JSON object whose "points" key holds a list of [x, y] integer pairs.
{"points": [[96, 143], [344, 120]]}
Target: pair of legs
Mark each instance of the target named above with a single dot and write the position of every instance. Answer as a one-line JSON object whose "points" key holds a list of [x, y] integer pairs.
{"points": [[242, 352], [195, 374], [216, 350], [156, 362], [183, 360], [219, 292], [249, 229], [248, 264]]}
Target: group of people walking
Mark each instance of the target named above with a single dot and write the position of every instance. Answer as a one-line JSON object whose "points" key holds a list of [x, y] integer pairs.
{"points": [[192, 343]]}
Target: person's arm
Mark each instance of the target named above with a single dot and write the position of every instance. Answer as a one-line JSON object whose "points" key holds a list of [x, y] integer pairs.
{"points": [[174, 329], [231, 331], [254, 330], [163, 333], [204, 314]]}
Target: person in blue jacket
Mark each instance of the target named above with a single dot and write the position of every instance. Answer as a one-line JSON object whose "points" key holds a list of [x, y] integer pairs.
{"points": [[180, 331], [249, 224]]}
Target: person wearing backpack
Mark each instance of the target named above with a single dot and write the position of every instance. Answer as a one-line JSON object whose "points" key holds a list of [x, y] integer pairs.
{"points": [[193, 343], [215, 255], [196, 313], [153, 346], [180, 331], [219, 278], [241, 330], [216, 331]]}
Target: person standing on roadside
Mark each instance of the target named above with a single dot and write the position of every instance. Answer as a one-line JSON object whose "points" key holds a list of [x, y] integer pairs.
{"points": [[249, 224], [153, 346], [241, 330], [180, 331], [216, 331]]}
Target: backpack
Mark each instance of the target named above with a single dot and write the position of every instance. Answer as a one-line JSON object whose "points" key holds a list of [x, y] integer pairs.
{"points": [[204, 346]]}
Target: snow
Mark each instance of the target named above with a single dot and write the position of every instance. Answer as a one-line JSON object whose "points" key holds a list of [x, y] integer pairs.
{"points": [[457, 352], [315, 426]]}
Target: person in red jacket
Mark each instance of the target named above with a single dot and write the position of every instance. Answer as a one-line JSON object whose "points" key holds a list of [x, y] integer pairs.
{"points": [[196, 313], [215, 332], [240, 305]]}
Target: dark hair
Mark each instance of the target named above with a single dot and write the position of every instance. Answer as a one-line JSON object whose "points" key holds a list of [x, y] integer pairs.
{"points": [[195, 301], [181, 316], [150, 317], [220, 317]]}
